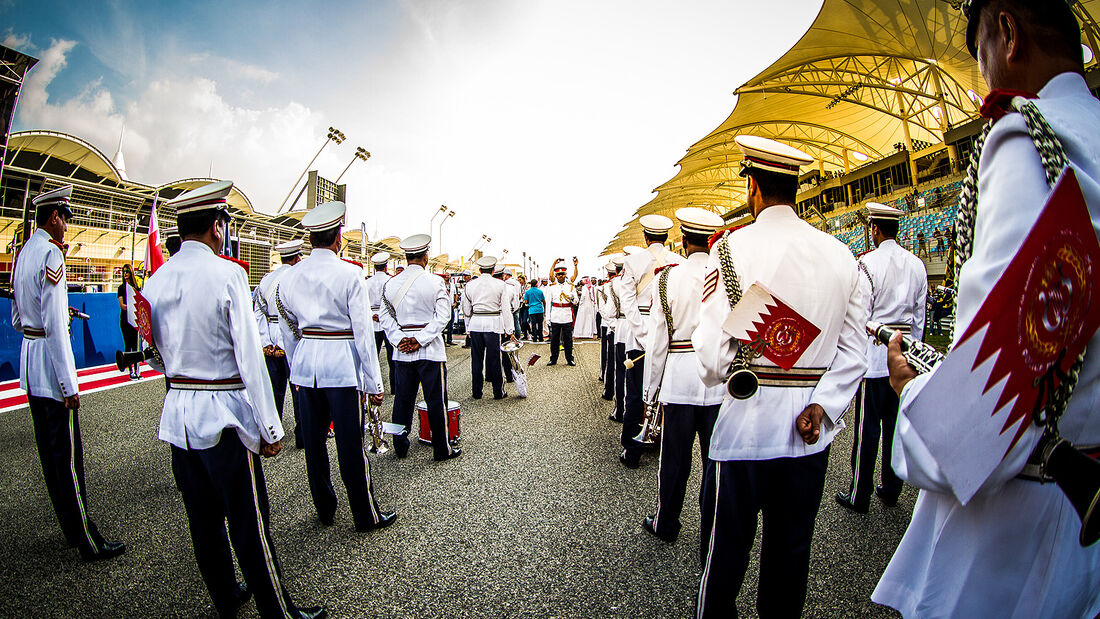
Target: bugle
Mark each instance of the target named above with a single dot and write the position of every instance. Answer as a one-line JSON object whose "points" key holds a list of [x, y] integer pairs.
{"points": [[124, 360], [742, 382], [372, 422]]}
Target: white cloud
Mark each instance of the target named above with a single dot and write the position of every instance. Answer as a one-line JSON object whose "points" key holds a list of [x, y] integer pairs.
{"points": [[16, 41], [179, 128]]}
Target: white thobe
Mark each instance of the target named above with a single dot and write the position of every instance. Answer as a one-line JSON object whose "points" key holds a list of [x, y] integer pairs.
{"points": [[1012, 550]]}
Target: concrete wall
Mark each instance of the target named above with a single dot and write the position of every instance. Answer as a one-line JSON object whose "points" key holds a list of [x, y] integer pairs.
{"points": [[94, 340]]}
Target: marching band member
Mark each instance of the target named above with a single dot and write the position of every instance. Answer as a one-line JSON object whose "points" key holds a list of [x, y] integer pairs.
{"points": [[415, 308], [769, 452], [1012, 550], [635, 298], [608, 311], [895, 284], [672, 374], [616, 370], [485, 303], [219, 412], [374, 289], [324, 302], [267, 319], [47, 371], [509, 313], [561, 296]]}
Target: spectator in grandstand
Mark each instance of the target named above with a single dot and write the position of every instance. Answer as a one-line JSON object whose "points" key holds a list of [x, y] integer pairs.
{"points": [[1012, 549], [129, 332], [922, 246], [941, 301]]}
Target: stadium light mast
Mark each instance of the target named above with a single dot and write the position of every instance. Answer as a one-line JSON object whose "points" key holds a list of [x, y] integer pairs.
{"points": [[443, 221], [360, 153], [333, 135]]}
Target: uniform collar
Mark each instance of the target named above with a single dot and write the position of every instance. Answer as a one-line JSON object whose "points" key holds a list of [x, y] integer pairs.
{"points": [[699, 256], [194, 247], [777, 212], [888, 242], [323, 252], [413, 267], [1062, 85]]}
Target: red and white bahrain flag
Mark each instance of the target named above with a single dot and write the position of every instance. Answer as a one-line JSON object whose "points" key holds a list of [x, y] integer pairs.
{"points": [[769, 326], [154, 257], [1037, 319]]}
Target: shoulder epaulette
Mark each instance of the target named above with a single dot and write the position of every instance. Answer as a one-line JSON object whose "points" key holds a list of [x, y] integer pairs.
{"points": [[352, 262], [717, 235], [58, 245]]}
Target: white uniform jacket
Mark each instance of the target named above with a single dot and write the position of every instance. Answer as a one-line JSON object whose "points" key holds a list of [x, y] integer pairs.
{"points": [[204, 328], [40, 311], [263, 302], [422, 313], [517, 293], [673, 368], [636, 293], [895, 294], [486, 304], [325, 299], [1012, 550], [374, 291], [560, 299], [817, 276], [606, 305]]}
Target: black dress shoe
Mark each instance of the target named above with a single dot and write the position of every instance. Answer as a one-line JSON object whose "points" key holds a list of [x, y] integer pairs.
{"points": [[647, 524], [507, 380], [455, 452], [888, 498], [500, 397], [241, 596], [327, 520], [612, 417], [551, 363], [106, 550], [629, 461], [313, 612], [570, 363], [845, 501], [608, 398], [400, 450], [476, 397], [385, 519]]}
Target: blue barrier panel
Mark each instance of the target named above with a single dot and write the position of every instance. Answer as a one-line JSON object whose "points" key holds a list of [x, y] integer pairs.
{"points": [[94, 340]]}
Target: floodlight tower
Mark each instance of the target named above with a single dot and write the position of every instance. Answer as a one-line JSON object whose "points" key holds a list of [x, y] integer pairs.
{"points": [[333, 135]]}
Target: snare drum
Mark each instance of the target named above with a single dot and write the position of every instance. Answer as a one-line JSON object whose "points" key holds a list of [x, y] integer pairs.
{"points": [[452, 422]]}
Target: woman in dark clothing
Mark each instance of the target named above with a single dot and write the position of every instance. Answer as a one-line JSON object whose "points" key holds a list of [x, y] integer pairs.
{"points": [[129, 333]]}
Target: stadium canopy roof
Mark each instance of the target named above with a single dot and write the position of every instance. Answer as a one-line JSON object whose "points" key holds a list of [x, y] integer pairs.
{"points": [[867, 76], [70, 158]]}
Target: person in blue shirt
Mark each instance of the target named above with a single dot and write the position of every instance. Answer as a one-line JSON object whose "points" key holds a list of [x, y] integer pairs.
{"points": [[535, 309]]}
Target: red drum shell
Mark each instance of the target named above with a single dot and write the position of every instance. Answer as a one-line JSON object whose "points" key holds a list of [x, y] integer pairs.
{"points": [[452, 422]]}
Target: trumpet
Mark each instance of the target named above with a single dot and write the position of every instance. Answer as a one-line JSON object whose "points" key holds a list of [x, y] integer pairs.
{"points": [[652, 423], [372, 423], [919, 355]]}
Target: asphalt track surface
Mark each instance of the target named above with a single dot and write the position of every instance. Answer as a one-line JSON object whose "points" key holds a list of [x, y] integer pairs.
{"points": [[536, 519]]}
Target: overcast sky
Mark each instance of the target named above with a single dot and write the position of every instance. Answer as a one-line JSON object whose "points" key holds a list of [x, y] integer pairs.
{"points": [[543, 123]]}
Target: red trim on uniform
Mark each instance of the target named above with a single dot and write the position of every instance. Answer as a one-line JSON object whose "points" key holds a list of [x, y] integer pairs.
{"points": [[718, 235], [241, 263], [200, 381], [58, 244], [561, 305], [358, 264], [785, 166]]}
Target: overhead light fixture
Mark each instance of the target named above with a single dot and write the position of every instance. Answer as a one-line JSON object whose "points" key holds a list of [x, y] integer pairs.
{"points": [[858, 156], [1087, 52]]}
